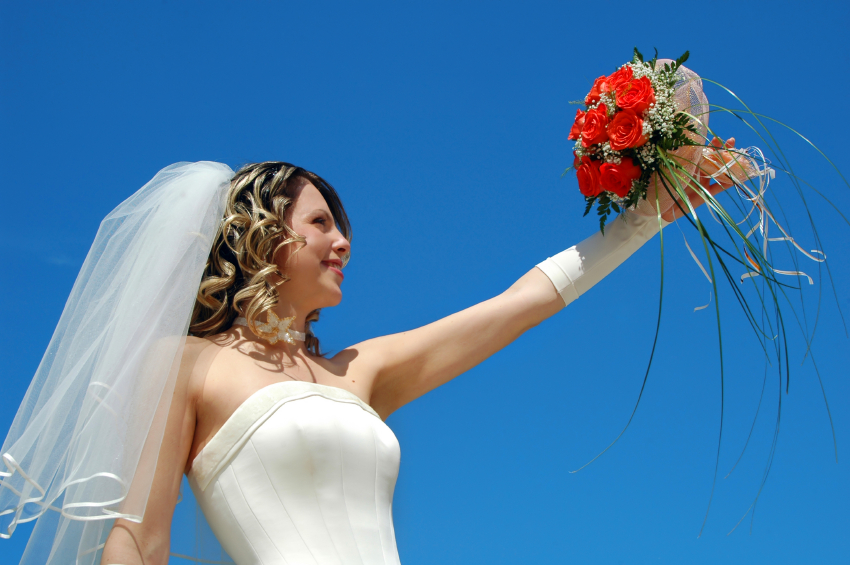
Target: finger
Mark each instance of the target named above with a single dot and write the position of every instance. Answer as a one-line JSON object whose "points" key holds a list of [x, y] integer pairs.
{"points": [[681, 207], [730, 142], [719, 187]]}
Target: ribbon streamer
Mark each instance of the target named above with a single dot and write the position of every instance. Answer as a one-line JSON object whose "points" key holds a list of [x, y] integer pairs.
{"points": [[755, 156]]}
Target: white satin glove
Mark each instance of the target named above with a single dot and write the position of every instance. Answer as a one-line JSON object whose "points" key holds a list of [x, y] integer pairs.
{"points": [[578, 268], [575, 270]]}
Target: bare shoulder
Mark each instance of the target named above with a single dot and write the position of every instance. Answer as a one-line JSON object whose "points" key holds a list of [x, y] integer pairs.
{"points": [[195, 346], [194, 364]]}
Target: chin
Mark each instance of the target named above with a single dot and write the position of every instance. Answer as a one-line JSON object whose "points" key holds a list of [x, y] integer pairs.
{"points": [[332, 298], [336, 300]]}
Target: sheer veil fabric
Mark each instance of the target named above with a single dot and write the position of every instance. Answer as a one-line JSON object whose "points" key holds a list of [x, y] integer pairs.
{"points": [[83, 446]]}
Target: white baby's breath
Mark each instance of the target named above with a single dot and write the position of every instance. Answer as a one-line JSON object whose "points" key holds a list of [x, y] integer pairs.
{"points": [[608, 154]]}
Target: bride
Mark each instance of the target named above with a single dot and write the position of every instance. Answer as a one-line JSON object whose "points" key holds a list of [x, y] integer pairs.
{"points": [[285, 449]]}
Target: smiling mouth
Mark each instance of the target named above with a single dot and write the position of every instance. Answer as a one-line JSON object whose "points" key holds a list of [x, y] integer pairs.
{"points": [[335, 267]]}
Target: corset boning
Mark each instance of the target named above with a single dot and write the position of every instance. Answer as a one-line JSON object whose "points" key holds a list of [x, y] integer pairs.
{"points": [[301, 473]]}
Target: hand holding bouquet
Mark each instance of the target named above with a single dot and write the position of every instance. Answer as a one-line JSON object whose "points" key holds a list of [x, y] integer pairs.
{"points": [[720, 163]]}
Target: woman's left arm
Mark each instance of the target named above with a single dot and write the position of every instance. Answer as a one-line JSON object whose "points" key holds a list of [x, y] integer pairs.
{"points": [[414, 362], [409, 364]]}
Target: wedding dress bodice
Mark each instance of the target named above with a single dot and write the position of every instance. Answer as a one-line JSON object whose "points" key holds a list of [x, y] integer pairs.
{"points": [[301, 473]]}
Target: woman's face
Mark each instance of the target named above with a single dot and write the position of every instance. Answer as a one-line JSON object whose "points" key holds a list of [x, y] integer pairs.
{"points": [[315, 271]]}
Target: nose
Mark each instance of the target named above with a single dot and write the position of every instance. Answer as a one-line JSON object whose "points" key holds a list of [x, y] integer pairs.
{"points": [[342, 246]]}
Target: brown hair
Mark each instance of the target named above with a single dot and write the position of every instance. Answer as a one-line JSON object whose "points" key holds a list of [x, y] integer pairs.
{"points": [[239, 274]]}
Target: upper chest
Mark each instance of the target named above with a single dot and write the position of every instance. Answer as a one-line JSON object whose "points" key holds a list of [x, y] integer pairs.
{"points": [[302, 436], [230, 375]]}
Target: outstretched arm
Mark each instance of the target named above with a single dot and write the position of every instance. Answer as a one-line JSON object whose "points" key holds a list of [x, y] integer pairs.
{"points": [[415, 362], [411, 363]]}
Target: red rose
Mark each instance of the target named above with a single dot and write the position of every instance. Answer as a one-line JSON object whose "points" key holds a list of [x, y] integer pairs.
{"points": [[588, 177], [617, 78], [626, 130], [576, 161], [595, 124], [618, 178], [636, 95], [575, 131], [593, 96]]}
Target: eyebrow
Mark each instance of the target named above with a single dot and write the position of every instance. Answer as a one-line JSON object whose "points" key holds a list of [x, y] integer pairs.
{"points": [[319, 212]]}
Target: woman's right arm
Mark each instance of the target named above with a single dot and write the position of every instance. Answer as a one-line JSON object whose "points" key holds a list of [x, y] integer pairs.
{"points": [[148, 543]]}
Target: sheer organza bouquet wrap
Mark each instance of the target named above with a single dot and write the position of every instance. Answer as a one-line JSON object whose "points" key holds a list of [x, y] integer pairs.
{"points": [[83, 447]]}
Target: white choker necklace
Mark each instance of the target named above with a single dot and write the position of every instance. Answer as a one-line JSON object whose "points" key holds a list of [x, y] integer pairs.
{"points": [[275, 329]]}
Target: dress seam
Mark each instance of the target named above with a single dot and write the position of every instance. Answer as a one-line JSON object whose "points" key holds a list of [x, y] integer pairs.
{"points": [[311, 461], [230, 508], [282, 505], [377, 518], [344, 496]]}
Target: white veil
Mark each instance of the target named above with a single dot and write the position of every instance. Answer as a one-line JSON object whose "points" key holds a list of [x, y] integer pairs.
{"points": [[100, 396]]}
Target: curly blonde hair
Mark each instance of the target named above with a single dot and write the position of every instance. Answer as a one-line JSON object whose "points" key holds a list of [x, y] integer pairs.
{"points": [[239, 277]]}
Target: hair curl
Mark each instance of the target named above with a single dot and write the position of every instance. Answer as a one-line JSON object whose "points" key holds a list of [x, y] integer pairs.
{"points": [[239, 276]]}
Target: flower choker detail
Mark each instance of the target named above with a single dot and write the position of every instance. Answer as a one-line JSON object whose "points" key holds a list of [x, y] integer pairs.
{"points": [[275, 329]]}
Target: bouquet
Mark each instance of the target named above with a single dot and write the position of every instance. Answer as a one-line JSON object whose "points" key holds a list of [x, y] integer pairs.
{"points": [[644, 131], [640, 124]]}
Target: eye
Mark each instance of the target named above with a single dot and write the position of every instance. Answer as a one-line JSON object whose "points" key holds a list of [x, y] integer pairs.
{"points": [[320, 220]]}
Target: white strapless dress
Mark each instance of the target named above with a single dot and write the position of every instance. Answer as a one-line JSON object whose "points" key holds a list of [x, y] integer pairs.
{"points": [[301, 473]]}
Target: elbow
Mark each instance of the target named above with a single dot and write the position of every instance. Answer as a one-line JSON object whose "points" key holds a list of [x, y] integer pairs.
{"points": [[531, 304]]}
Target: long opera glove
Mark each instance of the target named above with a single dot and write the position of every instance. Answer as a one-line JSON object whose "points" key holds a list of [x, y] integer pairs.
{"points": [[575, 270]]}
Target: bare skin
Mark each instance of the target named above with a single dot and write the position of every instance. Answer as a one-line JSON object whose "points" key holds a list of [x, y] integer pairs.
{"points": [[386, 372]]}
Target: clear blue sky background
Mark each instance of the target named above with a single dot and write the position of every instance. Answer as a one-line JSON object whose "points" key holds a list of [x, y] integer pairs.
{"points": [[443, 125]]}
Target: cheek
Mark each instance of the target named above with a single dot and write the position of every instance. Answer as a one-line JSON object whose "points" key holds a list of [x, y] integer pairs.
{"points": [[318, 242], [309, 257]]}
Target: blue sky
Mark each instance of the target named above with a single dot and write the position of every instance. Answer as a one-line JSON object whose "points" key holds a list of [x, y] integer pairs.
{"points": [[443, 126]]}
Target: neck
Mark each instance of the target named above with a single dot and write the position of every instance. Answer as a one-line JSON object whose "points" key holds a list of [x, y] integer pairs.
{"points": [[286, 310], [277, 318]]}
